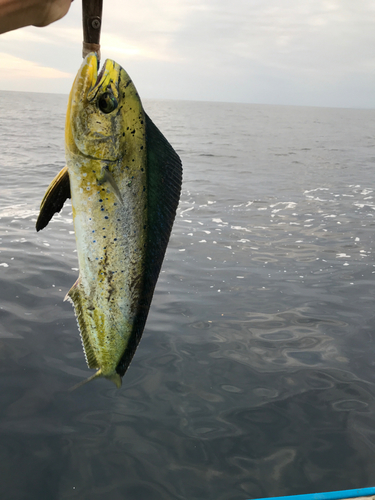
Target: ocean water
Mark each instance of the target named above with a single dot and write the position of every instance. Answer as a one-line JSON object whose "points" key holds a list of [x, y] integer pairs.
{"points": [[255, 375]]}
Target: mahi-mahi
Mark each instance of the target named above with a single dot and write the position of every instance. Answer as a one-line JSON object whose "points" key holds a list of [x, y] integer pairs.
{"points": [[124, 181]]}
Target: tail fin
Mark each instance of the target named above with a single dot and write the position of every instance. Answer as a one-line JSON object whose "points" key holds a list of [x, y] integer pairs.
{"points": [[116, 379], [80, 384]]}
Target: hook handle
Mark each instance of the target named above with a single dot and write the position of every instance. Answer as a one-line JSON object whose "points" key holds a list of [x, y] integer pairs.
{"points": [[92, 23]]}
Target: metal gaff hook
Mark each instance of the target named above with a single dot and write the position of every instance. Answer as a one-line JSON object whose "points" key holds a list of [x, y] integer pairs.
{"points": [[92, 23]]}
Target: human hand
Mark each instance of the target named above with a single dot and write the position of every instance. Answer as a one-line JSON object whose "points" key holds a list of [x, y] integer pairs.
{"points": [[16, 14], [49, 11]]}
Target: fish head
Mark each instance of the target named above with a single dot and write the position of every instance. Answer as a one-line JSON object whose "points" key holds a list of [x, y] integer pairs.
{"points": [[101, 110]]}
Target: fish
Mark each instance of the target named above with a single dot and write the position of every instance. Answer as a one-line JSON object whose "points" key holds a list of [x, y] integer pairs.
{"points": [[124, 180]]}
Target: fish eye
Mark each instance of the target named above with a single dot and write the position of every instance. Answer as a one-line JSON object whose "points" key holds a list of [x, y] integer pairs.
{"points": [[107, 103]]}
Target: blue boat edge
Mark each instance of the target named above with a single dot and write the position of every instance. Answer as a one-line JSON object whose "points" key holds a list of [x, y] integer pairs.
{"points": [[330, 495]]}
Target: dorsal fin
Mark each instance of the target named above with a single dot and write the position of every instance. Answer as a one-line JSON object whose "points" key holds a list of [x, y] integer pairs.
{"points": [[164, 188], [164, 174], [54, 199]]}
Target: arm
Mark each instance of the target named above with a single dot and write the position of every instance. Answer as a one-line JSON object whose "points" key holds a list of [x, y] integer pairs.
{"points": [[16, 14]]}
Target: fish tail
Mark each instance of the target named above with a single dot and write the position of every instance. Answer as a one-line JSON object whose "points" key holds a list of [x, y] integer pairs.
{"points": [[80, 384], [115, 378]]}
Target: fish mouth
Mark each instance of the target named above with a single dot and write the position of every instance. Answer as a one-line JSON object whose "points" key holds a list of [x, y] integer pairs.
{"points": [[89, 81], [87, 84], [106, 80], [94, 63], [101, 72]]}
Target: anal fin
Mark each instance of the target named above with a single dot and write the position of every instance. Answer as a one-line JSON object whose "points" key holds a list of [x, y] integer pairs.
{"points": [[54, 199], [77, 296]]}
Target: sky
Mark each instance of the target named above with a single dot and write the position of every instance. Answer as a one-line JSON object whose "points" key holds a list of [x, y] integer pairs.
{"points": [[289, 52]]}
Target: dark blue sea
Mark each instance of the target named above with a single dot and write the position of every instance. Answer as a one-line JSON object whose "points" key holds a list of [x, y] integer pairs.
{"points": [[255, 375]]}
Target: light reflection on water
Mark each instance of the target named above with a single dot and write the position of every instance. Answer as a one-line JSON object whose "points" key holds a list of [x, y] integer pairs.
{"points": [[254, 376]]}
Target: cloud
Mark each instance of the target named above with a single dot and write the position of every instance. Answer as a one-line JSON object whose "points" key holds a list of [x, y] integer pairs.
{"points": [[116, 47], [12, 67], [290, 52]]}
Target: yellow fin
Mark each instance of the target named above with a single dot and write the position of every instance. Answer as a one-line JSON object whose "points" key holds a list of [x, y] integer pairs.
{"points": [[54, 199]]}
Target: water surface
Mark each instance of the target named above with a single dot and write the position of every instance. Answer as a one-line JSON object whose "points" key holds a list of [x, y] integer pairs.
{"points": [[255, 373]]}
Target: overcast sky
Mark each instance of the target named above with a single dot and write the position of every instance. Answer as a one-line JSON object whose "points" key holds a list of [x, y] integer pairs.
{"points": [[303, 52]]}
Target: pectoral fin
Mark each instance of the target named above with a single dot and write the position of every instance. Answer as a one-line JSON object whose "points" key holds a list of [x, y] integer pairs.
{"points": [[106, 176], [54, 199]]}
